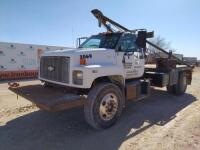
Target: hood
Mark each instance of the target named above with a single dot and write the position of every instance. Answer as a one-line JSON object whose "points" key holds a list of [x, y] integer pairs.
{"points": [[93, 55], [74, 51]]}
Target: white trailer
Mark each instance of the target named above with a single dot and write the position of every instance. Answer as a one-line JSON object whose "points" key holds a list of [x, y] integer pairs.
{"points": [[19, 60]]}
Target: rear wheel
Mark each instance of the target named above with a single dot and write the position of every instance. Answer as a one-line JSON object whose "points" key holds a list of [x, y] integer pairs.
{"points": [[180, 87], [104, 105], [170, 89]]}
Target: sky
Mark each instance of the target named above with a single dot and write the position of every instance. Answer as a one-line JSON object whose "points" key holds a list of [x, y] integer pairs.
{"points": [[60, 22]]}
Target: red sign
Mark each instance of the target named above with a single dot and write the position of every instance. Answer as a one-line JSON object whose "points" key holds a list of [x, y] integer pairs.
{"points": [[25, 74]]}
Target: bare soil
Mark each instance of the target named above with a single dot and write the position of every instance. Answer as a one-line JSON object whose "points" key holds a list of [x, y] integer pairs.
{"points": [[162, 121]]}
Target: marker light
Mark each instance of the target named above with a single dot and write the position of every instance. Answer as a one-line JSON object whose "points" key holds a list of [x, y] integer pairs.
{"points": [[83, 61]]}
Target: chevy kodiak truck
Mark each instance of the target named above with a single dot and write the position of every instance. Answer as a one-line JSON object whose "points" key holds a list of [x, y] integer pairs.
{"points": [[107, 70]]}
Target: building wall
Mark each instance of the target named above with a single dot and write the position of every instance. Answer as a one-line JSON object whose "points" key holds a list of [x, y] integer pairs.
{"points": [[21, 60], [190, 60]]}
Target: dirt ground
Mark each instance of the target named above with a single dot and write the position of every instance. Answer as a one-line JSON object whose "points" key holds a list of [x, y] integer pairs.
{"points": [[161, 121]]}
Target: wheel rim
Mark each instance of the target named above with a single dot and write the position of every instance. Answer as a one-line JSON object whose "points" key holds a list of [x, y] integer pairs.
{"points": [[108, 106]]}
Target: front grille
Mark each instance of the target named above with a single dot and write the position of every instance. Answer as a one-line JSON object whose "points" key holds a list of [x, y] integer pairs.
{"points": [[55, 68]]}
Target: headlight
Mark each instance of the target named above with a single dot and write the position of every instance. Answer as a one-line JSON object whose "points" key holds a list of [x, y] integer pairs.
{"points": [[78, 77]]}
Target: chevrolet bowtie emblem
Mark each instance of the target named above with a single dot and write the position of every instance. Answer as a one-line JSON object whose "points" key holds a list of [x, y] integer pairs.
{"points": [[50, 68]]}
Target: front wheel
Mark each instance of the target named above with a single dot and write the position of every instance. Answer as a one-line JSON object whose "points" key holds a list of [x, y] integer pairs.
{"points": [[48, 85], [104, 105]]}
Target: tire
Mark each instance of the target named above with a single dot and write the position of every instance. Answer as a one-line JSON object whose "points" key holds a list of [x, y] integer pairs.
{"points": [[47, 85], [181, 86], [99, 97], [170, 89]]}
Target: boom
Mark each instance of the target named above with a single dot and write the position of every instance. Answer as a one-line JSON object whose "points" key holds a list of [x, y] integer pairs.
{"points": [[169, 54], [103, 20], [107, 22]]}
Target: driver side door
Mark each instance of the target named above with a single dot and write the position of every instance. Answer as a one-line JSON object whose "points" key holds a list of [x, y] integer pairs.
{"points": [[131, 56]]}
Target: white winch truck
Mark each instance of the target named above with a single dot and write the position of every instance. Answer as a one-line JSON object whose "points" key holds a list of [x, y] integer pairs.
{"points": [[107, 70]]}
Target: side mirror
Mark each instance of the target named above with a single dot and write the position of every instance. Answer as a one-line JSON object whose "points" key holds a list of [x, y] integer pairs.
{"points": [[142, 36], [141, 39]]}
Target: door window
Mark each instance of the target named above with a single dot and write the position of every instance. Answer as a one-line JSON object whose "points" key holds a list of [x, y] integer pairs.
{"points": [[127, 43]]}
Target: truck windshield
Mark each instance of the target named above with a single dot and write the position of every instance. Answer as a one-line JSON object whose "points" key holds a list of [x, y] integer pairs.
{"points": [[101, 41]]}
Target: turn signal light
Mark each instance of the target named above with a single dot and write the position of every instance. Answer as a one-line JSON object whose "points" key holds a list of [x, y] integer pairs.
{"points": [[83, 61]]}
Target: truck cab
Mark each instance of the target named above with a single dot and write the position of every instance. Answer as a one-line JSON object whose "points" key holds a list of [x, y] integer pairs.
{"points": [[101, 55], [129, 57]]}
